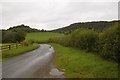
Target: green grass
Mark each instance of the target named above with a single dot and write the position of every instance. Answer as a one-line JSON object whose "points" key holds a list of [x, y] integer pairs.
{"points": [[79, 64], [6, 54], [42, 36]]}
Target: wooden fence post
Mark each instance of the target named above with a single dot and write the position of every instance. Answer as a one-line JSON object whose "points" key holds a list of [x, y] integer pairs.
{"points": [[9, 47]]}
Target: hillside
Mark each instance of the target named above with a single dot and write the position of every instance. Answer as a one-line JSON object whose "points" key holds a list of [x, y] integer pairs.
{"points": [[100, 25], [23, 28], [42, 36], [16, 33]]}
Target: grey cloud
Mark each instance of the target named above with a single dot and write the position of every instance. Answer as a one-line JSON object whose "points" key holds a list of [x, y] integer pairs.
{"points": [[52, 15]]}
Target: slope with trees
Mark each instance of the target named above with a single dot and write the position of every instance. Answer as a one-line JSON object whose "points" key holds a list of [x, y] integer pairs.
{"points": [[98, 25], [16, 33]]}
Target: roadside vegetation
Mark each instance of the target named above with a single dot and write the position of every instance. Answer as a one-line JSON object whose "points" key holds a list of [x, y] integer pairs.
{"points": [[80, 64], [105, 43]]}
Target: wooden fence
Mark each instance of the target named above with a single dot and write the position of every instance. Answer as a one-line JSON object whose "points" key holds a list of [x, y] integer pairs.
{"points": [[8, 47]]}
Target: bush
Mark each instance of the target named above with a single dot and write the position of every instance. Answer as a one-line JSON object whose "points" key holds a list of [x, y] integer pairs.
{"points": [[12, 36], [9, 37], [64, 40], [85, 39], [109, 45], [81, 38], [30, 41], [25, 43], [74, 37]]}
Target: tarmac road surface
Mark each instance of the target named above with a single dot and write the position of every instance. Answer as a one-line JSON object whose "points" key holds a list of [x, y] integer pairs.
{"points": [[35, 64]]}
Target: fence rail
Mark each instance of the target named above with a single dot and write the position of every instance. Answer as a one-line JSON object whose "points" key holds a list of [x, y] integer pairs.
{"points": [[10, 46]]}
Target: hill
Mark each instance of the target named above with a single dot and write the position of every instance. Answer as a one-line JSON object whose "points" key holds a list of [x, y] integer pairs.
{"points": [[23, 28], [99, 26]]}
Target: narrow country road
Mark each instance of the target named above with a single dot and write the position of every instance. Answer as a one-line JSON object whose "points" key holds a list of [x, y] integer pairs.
{"points": [[34, 64]]}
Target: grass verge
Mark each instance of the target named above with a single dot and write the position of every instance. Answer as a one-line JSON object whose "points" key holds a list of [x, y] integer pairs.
{"points": [[6, 54], [79, 64]]}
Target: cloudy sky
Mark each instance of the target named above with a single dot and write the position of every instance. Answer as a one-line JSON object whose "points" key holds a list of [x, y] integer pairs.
{"points": [[53, 14]]}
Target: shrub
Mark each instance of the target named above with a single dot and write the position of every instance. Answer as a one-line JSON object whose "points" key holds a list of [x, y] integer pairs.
{"points": [[9, 37], [12, 36], [64, 40], [85, 39], [81, 38], [109, 45], [30, 41], [24, 43]]}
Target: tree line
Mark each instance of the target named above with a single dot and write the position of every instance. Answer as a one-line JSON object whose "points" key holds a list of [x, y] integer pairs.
{"points": [[96, 25], [17, 33]]}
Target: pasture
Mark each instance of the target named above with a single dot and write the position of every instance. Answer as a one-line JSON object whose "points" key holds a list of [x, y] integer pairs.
{"points": [[42, 36]]}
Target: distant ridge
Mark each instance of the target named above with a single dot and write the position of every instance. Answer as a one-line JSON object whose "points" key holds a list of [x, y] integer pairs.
{"points": [[97, 25], [23, 28]]}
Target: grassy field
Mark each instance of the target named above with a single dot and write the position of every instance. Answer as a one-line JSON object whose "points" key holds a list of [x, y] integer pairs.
{"points": [[6, 54], [42, 36], [79, 64]]}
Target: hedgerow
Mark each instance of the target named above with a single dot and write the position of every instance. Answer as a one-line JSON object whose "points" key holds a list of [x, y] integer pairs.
{"points": [[105, 44]]}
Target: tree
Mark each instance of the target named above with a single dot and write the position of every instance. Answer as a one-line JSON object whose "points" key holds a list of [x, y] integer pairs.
{"points": [[85, 39], [109, 42], [9, 37], [12, 36]]}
